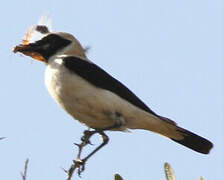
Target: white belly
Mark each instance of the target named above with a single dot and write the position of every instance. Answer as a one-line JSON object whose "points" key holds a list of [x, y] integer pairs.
{"points": [[88, 104]]}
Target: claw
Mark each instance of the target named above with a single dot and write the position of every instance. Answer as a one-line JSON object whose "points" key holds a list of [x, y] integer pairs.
{"points": [[86, 140], [86, 137]]}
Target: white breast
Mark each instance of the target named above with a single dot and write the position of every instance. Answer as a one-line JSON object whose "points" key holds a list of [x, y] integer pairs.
{"points": [[85, 102]]}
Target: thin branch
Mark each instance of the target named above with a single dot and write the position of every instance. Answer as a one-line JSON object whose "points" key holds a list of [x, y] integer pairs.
{"points": [[71, 170], [24, 174], [79, 163]]}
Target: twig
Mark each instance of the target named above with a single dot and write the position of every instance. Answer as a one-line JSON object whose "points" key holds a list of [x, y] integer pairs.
{"points": [[24, 174], [79, 163], [71, 170]]}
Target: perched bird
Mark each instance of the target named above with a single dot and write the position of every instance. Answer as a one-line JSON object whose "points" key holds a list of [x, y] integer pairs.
{"points": [[93, 97]]}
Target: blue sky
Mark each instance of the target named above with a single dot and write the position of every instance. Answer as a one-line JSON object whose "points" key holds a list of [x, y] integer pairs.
{"points": [[168, 52]]}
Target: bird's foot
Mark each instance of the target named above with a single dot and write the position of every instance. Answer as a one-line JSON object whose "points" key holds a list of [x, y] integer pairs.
{"points": [[86, 137]]}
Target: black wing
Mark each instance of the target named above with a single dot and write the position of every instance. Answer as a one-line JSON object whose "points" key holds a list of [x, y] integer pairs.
{"points": [[98, 77]]}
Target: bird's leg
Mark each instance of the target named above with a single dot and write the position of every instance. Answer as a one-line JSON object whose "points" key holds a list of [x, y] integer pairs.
{"points": [[105, 139], [85, 141], [80, 163], [87, 135]]}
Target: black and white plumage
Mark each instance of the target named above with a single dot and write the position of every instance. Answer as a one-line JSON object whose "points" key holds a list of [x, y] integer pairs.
{"points": [[94, 97]]}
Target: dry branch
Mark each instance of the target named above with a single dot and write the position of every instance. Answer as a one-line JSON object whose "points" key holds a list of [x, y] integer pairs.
{"points": [[24, 173]]}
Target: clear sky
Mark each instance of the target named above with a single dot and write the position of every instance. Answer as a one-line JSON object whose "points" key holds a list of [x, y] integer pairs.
{"points": [[168, 52]]}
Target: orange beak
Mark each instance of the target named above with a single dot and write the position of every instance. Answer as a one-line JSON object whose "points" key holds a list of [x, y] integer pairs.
{"points": [[29, 50]]}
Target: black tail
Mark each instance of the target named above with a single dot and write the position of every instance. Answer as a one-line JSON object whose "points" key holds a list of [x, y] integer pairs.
{"points": [[193, 141]]}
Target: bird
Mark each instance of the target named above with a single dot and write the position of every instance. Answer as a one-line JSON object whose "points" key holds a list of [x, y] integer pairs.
{"points": [[93, 97]]}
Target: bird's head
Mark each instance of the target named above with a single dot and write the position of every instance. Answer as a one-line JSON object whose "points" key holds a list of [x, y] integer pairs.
{"points": [[56, 43]]}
